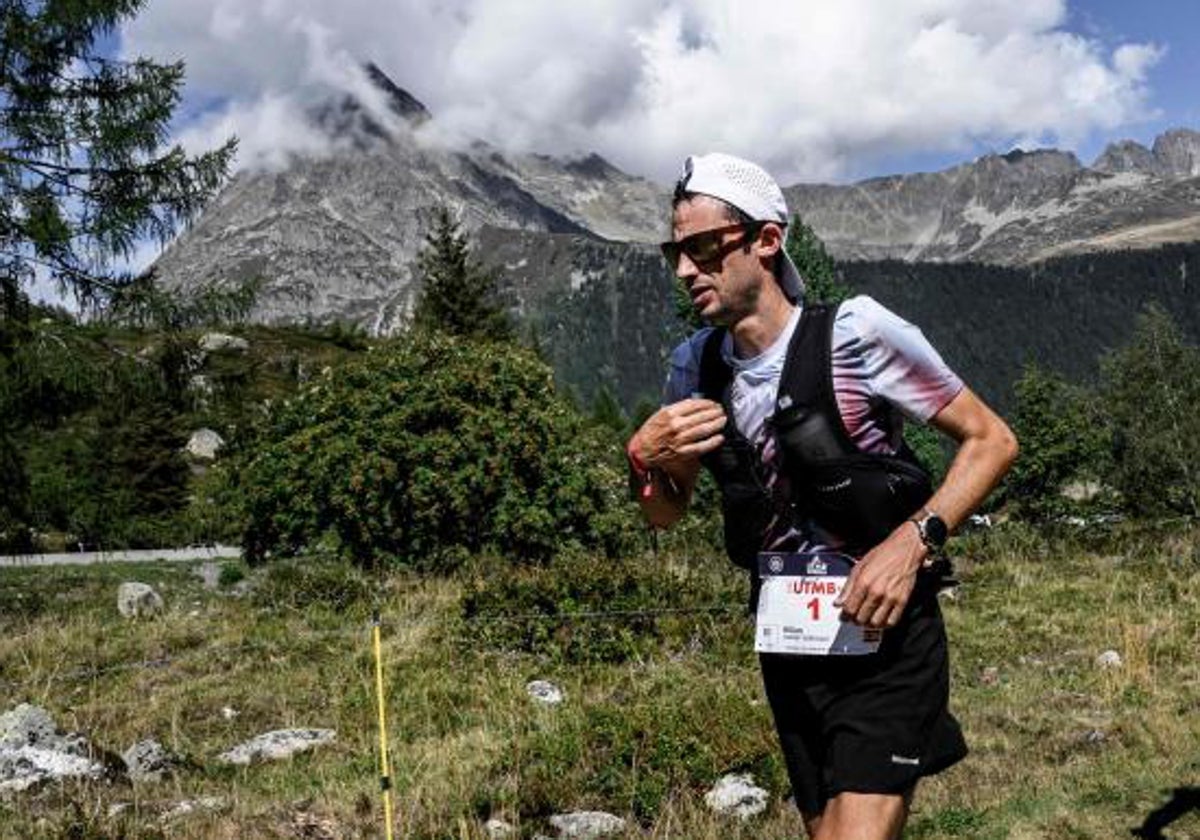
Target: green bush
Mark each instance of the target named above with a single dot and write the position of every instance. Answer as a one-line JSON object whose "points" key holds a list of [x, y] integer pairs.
{"points": [[584, 609], [426, 451], [1060, 442]]}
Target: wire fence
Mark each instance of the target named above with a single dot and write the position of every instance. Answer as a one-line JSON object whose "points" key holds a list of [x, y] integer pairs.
{"points": [[363, 631]]}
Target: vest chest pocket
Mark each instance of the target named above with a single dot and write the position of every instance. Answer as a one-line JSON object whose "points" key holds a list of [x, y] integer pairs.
{"points": [[863, 498]]}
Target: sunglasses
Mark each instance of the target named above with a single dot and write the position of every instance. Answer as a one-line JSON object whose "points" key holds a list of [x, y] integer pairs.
{"points": [[705, 248]]}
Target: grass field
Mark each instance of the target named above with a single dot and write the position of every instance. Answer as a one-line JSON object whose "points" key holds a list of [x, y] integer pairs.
{"points": [[1061, 747]]}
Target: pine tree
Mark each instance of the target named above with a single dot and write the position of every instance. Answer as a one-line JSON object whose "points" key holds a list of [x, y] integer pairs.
{"points": [[84, 178], [807, 251], [457, 293], [83, 175]]}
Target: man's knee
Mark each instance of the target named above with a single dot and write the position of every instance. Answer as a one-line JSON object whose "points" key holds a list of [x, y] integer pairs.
{"points": [[862, 816]]}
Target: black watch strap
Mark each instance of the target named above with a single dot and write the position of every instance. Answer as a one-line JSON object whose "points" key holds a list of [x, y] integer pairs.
{"points": [[932, 529]]}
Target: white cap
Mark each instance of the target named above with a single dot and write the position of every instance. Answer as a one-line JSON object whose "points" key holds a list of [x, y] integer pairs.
{"points": [[749, 188]]}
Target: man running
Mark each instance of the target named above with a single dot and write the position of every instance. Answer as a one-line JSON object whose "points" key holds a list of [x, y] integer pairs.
{"points": [[858, 728]]}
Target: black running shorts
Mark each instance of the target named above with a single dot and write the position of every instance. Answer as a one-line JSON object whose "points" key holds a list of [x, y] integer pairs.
{"points": [[867, 724]]}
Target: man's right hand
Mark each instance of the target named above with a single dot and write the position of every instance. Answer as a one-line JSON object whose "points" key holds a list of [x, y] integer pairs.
{"points": [[680, 433]]}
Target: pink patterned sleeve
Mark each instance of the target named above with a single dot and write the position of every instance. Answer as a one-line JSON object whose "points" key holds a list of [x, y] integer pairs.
{"points": [[884, 357]]}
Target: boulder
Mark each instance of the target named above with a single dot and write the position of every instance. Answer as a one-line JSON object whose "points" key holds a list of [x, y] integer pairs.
{"points": [[737, 795], [149, 761], [215, 342], [545, 692], [1109, 659], [282, 743], [138, 600], [32, 751], [586, 825], [203, 444]]}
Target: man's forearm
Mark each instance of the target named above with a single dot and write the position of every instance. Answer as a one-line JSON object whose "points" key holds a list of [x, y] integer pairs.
{"points": [[977, 468]]}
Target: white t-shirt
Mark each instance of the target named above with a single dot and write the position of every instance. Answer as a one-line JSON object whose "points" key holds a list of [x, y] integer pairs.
{"points": [[883, 369]]}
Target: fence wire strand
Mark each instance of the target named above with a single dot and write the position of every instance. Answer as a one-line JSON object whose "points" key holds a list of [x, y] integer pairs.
{"points": [[265, 646]]}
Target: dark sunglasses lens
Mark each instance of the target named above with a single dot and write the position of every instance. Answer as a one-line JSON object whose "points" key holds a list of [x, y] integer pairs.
{"points": [[670, 252], [703, 247]]}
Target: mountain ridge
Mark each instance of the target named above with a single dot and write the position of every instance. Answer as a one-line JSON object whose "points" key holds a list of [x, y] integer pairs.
{"points": [[335, 238]]}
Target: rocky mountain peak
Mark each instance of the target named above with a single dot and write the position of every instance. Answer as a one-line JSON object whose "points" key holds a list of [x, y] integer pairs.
{"points": [[1126, 156], [1178, 153], [1038, 162], [346, 117], [1175, 154], [401, 102]]}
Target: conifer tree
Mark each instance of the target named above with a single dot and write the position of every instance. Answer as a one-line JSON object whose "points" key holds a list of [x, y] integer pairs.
{"points": [[84, 178], [83, 173], [457, 294], [816, 266]]}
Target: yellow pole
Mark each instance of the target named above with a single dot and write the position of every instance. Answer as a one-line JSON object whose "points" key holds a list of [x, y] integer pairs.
{"points": [[385, 765]]}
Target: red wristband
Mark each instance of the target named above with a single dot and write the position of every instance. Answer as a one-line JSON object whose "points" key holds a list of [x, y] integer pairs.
{"points": [[643, 472]]}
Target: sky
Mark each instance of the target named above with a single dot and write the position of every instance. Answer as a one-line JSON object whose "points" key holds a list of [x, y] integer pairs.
{"points": [[813, 90]]}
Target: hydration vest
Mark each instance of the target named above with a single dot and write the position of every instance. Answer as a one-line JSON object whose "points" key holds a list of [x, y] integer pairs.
{"points": [[859, 496]]}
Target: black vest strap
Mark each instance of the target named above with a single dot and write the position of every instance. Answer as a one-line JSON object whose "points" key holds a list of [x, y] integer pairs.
{"points": [[806, 394], [715, 374], [859, 496]]}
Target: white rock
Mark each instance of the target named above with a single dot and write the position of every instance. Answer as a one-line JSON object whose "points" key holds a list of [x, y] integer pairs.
{"points": [[1109, 659], [737, 794], [203, 444], [32, 750], [545, 692], [215, 342], [497, 829], [28, 725], [149, 761], [192, 806], [228, 712], [282, 743], [586, 825], [24, 767], [136, 600]]}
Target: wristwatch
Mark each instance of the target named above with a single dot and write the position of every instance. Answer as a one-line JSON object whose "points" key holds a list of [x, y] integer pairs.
{"points": [[932, 529]]}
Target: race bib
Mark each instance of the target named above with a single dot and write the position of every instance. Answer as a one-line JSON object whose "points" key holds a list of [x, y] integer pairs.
{"points": [[795, 607]]}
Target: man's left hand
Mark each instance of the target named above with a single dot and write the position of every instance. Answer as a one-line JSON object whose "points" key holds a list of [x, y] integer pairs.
{"points": [[881, 582]]}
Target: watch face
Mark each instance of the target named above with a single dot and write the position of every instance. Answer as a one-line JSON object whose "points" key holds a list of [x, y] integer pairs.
{"points": [[936, 531]]}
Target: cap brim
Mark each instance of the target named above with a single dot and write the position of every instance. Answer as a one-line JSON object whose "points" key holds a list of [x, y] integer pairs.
{"points": [[791, 281]]}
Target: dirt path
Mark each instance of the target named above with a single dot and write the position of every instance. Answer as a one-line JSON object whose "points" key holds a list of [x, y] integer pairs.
{"points": [[149, 555]]}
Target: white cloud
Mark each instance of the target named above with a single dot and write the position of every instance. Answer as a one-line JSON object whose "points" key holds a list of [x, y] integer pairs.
{"points": [[811, 89]]}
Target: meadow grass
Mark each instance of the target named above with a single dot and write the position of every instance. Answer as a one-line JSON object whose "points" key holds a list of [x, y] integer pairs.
{"points": [[1061, 747]]}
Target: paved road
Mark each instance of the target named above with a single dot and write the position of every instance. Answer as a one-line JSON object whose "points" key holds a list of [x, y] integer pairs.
{"points": [[149, 555]]}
